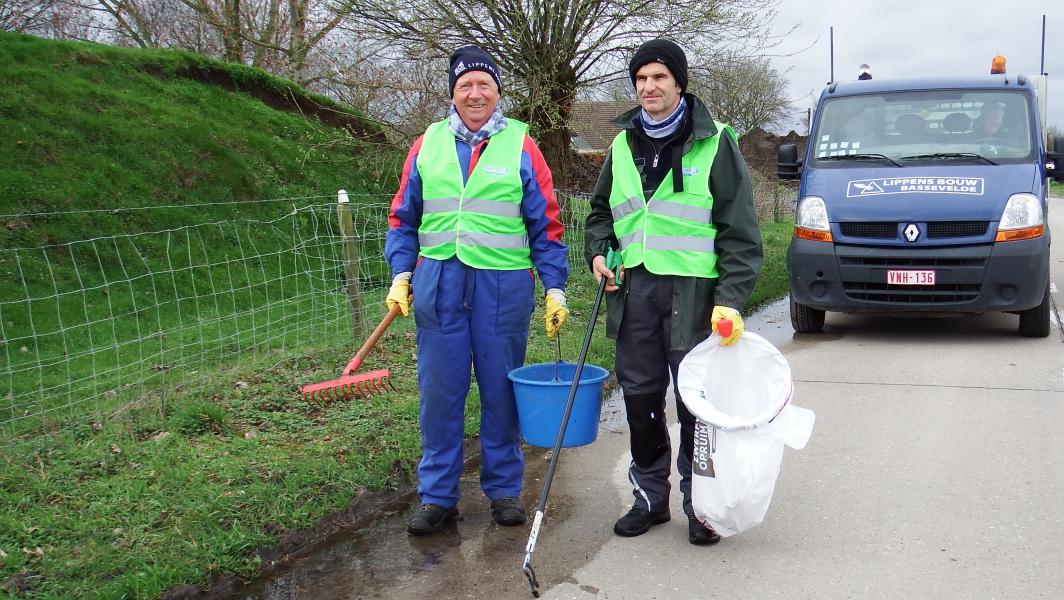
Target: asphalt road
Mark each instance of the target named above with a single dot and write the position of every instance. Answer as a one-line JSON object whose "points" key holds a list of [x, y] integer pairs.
{"points": [[935, 470]]}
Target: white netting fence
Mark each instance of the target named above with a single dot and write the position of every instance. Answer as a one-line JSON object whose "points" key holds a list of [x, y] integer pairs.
{"points": [[93, 326]]}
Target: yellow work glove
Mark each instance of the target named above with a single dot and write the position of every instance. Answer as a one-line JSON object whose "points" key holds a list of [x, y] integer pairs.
{"points": [[557, 311], [727, 314], [400, 294]]}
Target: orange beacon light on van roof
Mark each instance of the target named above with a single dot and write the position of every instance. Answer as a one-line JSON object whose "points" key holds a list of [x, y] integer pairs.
{"points": [[997, 65]]}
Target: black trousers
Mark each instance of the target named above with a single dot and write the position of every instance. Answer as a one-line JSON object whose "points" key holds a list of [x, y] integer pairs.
{"points": [[644, 364]]}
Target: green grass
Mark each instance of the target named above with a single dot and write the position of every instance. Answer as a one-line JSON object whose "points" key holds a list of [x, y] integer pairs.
{"points": [[213, 451], [1056, 188], [772, 281]]}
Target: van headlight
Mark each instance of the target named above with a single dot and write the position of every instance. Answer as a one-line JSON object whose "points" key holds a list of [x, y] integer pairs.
{"points": [[1022, 218], [811, 220]]}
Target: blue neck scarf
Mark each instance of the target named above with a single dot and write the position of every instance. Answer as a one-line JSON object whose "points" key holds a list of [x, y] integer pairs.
{"points": [[667, 126]]}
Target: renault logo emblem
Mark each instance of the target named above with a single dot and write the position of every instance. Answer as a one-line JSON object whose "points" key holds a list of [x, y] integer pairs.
{"points": [[912, 232]]}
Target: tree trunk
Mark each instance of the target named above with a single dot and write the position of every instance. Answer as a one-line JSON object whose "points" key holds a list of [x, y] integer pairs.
{"points": [[297, 51], [549, 125], [231, 32], [555, 144], [260, 53]]}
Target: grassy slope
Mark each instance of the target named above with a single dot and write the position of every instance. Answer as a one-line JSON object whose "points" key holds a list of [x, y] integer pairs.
{"points": [[89, 126], [171, 494]]}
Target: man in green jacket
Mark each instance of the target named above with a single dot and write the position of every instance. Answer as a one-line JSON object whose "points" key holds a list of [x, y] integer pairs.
{"points": [[674, 201]]}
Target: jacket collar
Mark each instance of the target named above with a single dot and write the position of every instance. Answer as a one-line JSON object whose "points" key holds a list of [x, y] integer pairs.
{"points": [[702, 125]]}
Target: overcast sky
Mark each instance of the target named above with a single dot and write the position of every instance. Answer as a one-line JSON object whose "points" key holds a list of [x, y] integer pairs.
{"points": [[917, 38]]}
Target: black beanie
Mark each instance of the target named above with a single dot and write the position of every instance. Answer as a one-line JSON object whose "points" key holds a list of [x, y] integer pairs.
{"points": [[471, 58], [664, 52]]}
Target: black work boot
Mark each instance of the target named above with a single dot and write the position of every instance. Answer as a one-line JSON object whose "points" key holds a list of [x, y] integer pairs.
{"points": [[429, 518], [700, 534], [638, 521], [508, 512]]}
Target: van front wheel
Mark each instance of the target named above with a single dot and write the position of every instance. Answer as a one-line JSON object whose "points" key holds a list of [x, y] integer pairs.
{"points": [[805, 319], [1034, 322]]}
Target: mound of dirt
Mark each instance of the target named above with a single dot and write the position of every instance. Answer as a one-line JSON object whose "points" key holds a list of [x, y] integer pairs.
{"points": [[760, 147]]}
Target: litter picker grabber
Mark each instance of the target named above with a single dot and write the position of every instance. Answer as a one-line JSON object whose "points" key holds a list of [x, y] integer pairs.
{"points": [[541, 509], [349, 385]]}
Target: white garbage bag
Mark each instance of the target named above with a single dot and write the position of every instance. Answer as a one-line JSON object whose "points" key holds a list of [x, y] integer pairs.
{"points": [[741, 395]]}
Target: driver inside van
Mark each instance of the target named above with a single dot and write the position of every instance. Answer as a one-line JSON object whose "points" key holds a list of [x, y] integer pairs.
{"points": [[990, 123]]}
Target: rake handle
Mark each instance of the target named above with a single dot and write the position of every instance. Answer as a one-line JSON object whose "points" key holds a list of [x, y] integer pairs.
{"points": [[356, 362]]}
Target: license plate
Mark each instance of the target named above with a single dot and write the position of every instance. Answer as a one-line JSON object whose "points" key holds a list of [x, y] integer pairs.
{"points": [[910, 278]]}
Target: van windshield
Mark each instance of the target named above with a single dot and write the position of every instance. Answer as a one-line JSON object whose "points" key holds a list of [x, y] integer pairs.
{"points": [[920, 126]]}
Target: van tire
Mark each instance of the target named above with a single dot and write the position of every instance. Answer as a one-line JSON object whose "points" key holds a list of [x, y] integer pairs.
{"points": [[1034, 322], [805, 319]]}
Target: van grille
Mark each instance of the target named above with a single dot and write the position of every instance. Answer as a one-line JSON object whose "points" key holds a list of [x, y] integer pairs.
{"points": [[863, 279], [954, 229], [881, 231], [902, 262], [935, 230], [912, 294]]}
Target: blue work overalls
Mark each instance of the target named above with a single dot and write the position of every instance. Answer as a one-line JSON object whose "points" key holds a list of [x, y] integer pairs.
{"points": [[469, 317]]}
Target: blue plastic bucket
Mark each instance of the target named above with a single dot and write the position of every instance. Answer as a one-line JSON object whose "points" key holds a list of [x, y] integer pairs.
{"points": [[541, 403]]}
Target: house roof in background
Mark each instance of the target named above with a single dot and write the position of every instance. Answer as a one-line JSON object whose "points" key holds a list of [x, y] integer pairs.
{"points": [[592, 123]]}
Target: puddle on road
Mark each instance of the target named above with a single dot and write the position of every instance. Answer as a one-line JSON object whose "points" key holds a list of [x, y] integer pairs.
{"points": [[470, 557]]}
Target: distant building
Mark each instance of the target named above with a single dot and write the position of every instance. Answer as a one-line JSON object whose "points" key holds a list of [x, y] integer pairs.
{"points": [[592, 123]]}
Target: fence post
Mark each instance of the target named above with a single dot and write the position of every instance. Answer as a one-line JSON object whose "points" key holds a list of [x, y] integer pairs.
{"points": [[350, 245]]}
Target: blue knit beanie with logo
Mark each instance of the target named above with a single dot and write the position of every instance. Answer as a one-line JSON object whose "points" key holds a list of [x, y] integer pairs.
{"points": [[472, 58]]}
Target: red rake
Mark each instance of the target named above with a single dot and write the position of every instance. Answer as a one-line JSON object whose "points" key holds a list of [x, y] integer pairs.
{"points": [[349, 385]]}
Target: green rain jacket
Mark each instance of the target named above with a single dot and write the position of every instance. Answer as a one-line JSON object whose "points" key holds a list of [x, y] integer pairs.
{"points": [[738, 241]]}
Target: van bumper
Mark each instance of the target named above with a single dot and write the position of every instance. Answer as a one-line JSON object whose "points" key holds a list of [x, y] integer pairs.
{"points": [[1002, 276]]}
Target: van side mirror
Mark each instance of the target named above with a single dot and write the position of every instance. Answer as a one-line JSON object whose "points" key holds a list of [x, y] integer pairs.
{"points": [[1055, 160], [787, 164]]}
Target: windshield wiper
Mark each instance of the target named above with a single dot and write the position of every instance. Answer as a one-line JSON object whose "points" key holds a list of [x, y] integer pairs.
{"points": [[968, 155], [869, 156]]}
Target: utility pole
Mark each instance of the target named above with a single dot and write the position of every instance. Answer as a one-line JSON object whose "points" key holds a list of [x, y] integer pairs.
{"points": [[831, 46]]}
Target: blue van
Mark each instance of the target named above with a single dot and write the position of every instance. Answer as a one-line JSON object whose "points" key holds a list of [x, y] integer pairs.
{"points": [[923, 196]]}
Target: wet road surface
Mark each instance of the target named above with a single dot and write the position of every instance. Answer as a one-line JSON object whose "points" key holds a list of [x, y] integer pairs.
{"points": [[471, 557]]}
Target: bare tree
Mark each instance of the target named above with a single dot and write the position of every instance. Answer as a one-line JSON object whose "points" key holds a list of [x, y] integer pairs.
{"points": [[404, 93], [746, 93], [549, 50], [27, 16], [224, 19], [138, 23], [276, 35]]}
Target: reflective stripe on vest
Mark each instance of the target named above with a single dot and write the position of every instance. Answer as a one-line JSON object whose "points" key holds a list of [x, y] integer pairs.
{"points": [[673, 232], [479, 220]]}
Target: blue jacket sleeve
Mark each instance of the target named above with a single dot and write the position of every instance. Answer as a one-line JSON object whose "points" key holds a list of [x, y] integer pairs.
{"points": [[400, 245], [542, 219]]}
